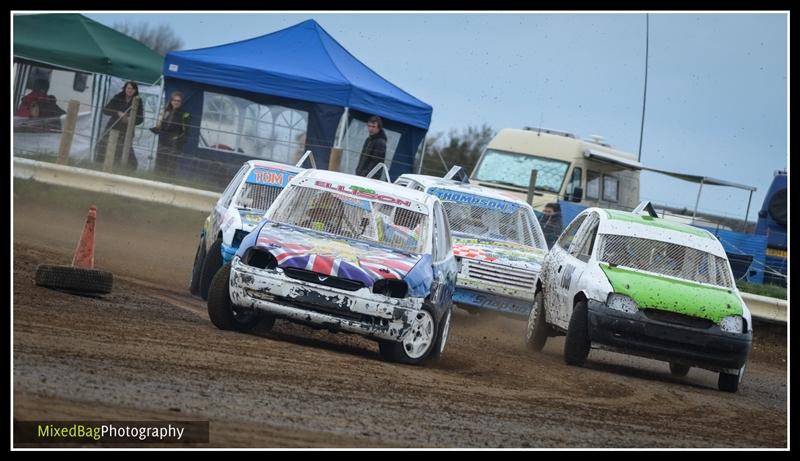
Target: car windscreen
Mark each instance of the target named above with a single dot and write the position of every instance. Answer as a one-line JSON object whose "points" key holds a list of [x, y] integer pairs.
{"points": [[665, 258], [353, 217], [488, 218], [512, 169]]}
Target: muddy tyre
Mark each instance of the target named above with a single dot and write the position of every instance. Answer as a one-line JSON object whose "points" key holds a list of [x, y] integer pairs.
{"points": [[678, 369], [197, 268], [76, 280], [538, 330], [224, 314], [577, 343], [441, 337], [418, 343], [729, 382], [211, 264]]}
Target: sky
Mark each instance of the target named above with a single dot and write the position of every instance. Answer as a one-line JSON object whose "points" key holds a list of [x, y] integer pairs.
{"points": [[717, 88]]}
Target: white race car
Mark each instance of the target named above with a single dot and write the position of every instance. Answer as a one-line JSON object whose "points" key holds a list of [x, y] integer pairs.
{"points": [[240, 207]]}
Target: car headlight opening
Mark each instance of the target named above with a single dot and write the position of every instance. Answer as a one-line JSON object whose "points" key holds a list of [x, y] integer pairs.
{"points": [[732, 324], [622, 303]]}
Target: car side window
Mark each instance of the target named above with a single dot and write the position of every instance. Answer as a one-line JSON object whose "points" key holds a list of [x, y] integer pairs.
{"points": [[227, 195], [569, 233], [402, 182], [417, 186], [583, 245], [441, 234]]}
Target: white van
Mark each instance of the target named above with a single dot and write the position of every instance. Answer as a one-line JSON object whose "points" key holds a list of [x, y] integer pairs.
{"points": [[589, 172]]}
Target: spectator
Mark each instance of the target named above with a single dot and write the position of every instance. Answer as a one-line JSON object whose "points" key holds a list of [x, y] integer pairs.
{"points": [[171, 131], [374, 150], [39, 105], [551, 223], [119, 109]]}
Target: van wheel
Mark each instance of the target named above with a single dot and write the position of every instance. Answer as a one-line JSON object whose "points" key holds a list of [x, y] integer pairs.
{"points": [[538, 329], [577, 343], [678, 369]]}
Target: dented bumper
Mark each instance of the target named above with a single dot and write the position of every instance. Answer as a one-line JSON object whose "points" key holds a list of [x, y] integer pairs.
{"points": [[359, 311]]}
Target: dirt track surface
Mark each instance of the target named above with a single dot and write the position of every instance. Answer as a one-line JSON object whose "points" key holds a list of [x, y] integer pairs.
{"points": [[149, 351]]}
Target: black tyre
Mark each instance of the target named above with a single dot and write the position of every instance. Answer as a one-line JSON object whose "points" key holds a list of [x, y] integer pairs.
{"points": [[538, 330], [222, 312], [678, 369], [197, 268], [577, 343], [441, 337], [211, 264], [417, 344], [728, 382], [75, 279]]}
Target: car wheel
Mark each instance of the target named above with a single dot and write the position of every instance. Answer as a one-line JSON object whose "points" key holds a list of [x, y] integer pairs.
{"points": [[418, 342], [441, 339], [730, 382], [577, 343], [224, 314], [197, 268], [211, 264], [538, 329], [678, 369]]}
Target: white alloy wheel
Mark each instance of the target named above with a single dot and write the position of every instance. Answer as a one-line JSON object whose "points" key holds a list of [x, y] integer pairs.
{"points": [[420, 337]]}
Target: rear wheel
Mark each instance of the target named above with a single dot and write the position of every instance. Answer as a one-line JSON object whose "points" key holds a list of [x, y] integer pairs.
{"points": [[678, 369], [416, 345], [197, 268], [538, 329], [211, 264], [577, 343], [224, 314]]}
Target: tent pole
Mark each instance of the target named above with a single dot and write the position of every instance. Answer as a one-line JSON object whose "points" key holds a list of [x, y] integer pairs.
{"points": [[422, 156], [747, 213], [697, 202]]}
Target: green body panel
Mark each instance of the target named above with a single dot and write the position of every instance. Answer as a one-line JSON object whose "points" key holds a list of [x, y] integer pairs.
{"points": [[656, 222], [651, 291]]}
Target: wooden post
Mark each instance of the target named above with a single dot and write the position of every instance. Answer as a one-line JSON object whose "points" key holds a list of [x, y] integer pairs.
{"points": [[111, 150], [126, 145], [69, 131], [531, 187], [335, 161]]}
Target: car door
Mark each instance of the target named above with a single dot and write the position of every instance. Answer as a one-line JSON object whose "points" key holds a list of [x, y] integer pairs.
{"points": [[444, 264], [577, 260], [558, 278]]}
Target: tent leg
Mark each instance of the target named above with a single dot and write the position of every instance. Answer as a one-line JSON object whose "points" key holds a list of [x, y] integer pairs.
{"points": [[697, 202], [747, 213]]}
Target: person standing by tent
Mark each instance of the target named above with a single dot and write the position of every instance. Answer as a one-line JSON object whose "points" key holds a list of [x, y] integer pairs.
{"points": [[551, 223], [374, 150], [171, 131], [119, 109]]}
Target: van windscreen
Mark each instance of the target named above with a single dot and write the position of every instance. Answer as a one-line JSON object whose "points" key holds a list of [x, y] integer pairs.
{"points": [[512, 169]]}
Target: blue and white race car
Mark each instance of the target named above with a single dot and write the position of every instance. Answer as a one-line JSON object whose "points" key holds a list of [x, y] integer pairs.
{"points": [[239, 209], [497, 241], [345, 253]]}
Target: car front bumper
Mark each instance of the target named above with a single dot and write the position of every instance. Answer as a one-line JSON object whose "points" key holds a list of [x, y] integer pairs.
{"points": [[637, 335], [360, 311]]}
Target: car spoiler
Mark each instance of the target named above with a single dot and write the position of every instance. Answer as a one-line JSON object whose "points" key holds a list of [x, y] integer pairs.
{"points": [[645, 206], [378, 168], [307, 156]]}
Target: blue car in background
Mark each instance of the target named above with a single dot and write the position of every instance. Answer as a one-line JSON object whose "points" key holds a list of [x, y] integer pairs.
{"points": [[239, 209]]}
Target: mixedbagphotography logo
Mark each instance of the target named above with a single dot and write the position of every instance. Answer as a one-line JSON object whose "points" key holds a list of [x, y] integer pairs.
{"points": [[90, 432]]}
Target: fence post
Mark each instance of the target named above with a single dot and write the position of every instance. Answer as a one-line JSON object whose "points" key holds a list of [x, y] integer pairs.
{"points": [[531, 187], [111, 150], [126, 145], [335, 161], [69, 131]]}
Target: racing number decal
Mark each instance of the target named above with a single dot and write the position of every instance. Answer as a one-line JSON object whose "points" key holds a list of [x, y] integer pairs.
{"points": [[566, 277]]}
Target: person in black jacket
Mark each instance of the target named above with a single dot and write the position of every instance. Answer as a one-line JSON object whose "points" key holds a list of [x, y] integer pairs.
{"points": [[119, 109], [171, 130], [551, 223], [374, 150]]}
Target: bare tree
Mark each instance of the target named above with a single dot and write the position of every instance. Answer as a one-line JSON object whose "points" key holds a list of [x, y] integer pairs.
{"points": [[159, 38], [457, 148]]}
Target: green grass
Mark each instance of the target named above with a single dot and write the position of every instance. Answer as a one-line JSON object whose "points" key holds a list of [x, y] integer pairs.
{"points": [[773, 291]]}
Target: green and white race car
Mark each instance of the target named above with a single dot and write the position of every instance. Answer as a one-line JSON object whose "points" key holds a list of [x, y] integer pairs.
{"points": [[640, 285]]}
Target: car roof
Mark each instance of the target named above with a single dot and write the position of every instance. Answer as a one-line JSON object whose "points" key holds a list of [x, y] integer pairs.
{"points": [[379, 187], [428, 182], [644, 226], [251, 164]]}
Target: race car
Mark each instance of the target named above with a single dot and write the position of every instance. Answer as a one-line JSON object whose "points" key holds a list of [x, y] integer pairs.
{"points": [[634, 283], [345, 253], [497, 241], [240, 207]]}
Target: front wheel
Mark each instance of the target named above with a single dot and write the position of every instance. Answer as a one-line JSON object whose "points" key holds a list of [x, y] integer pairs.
{"points": [[577, 343], [224, 314], [416, 345], [441, 339], [211, 264], [729, 382], [538, 329], [197, 268]]}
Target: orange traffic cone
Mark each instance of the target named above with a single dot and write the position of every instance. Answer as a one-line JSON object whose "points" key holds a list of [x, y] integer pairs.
{"points": [[84, 254]]}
